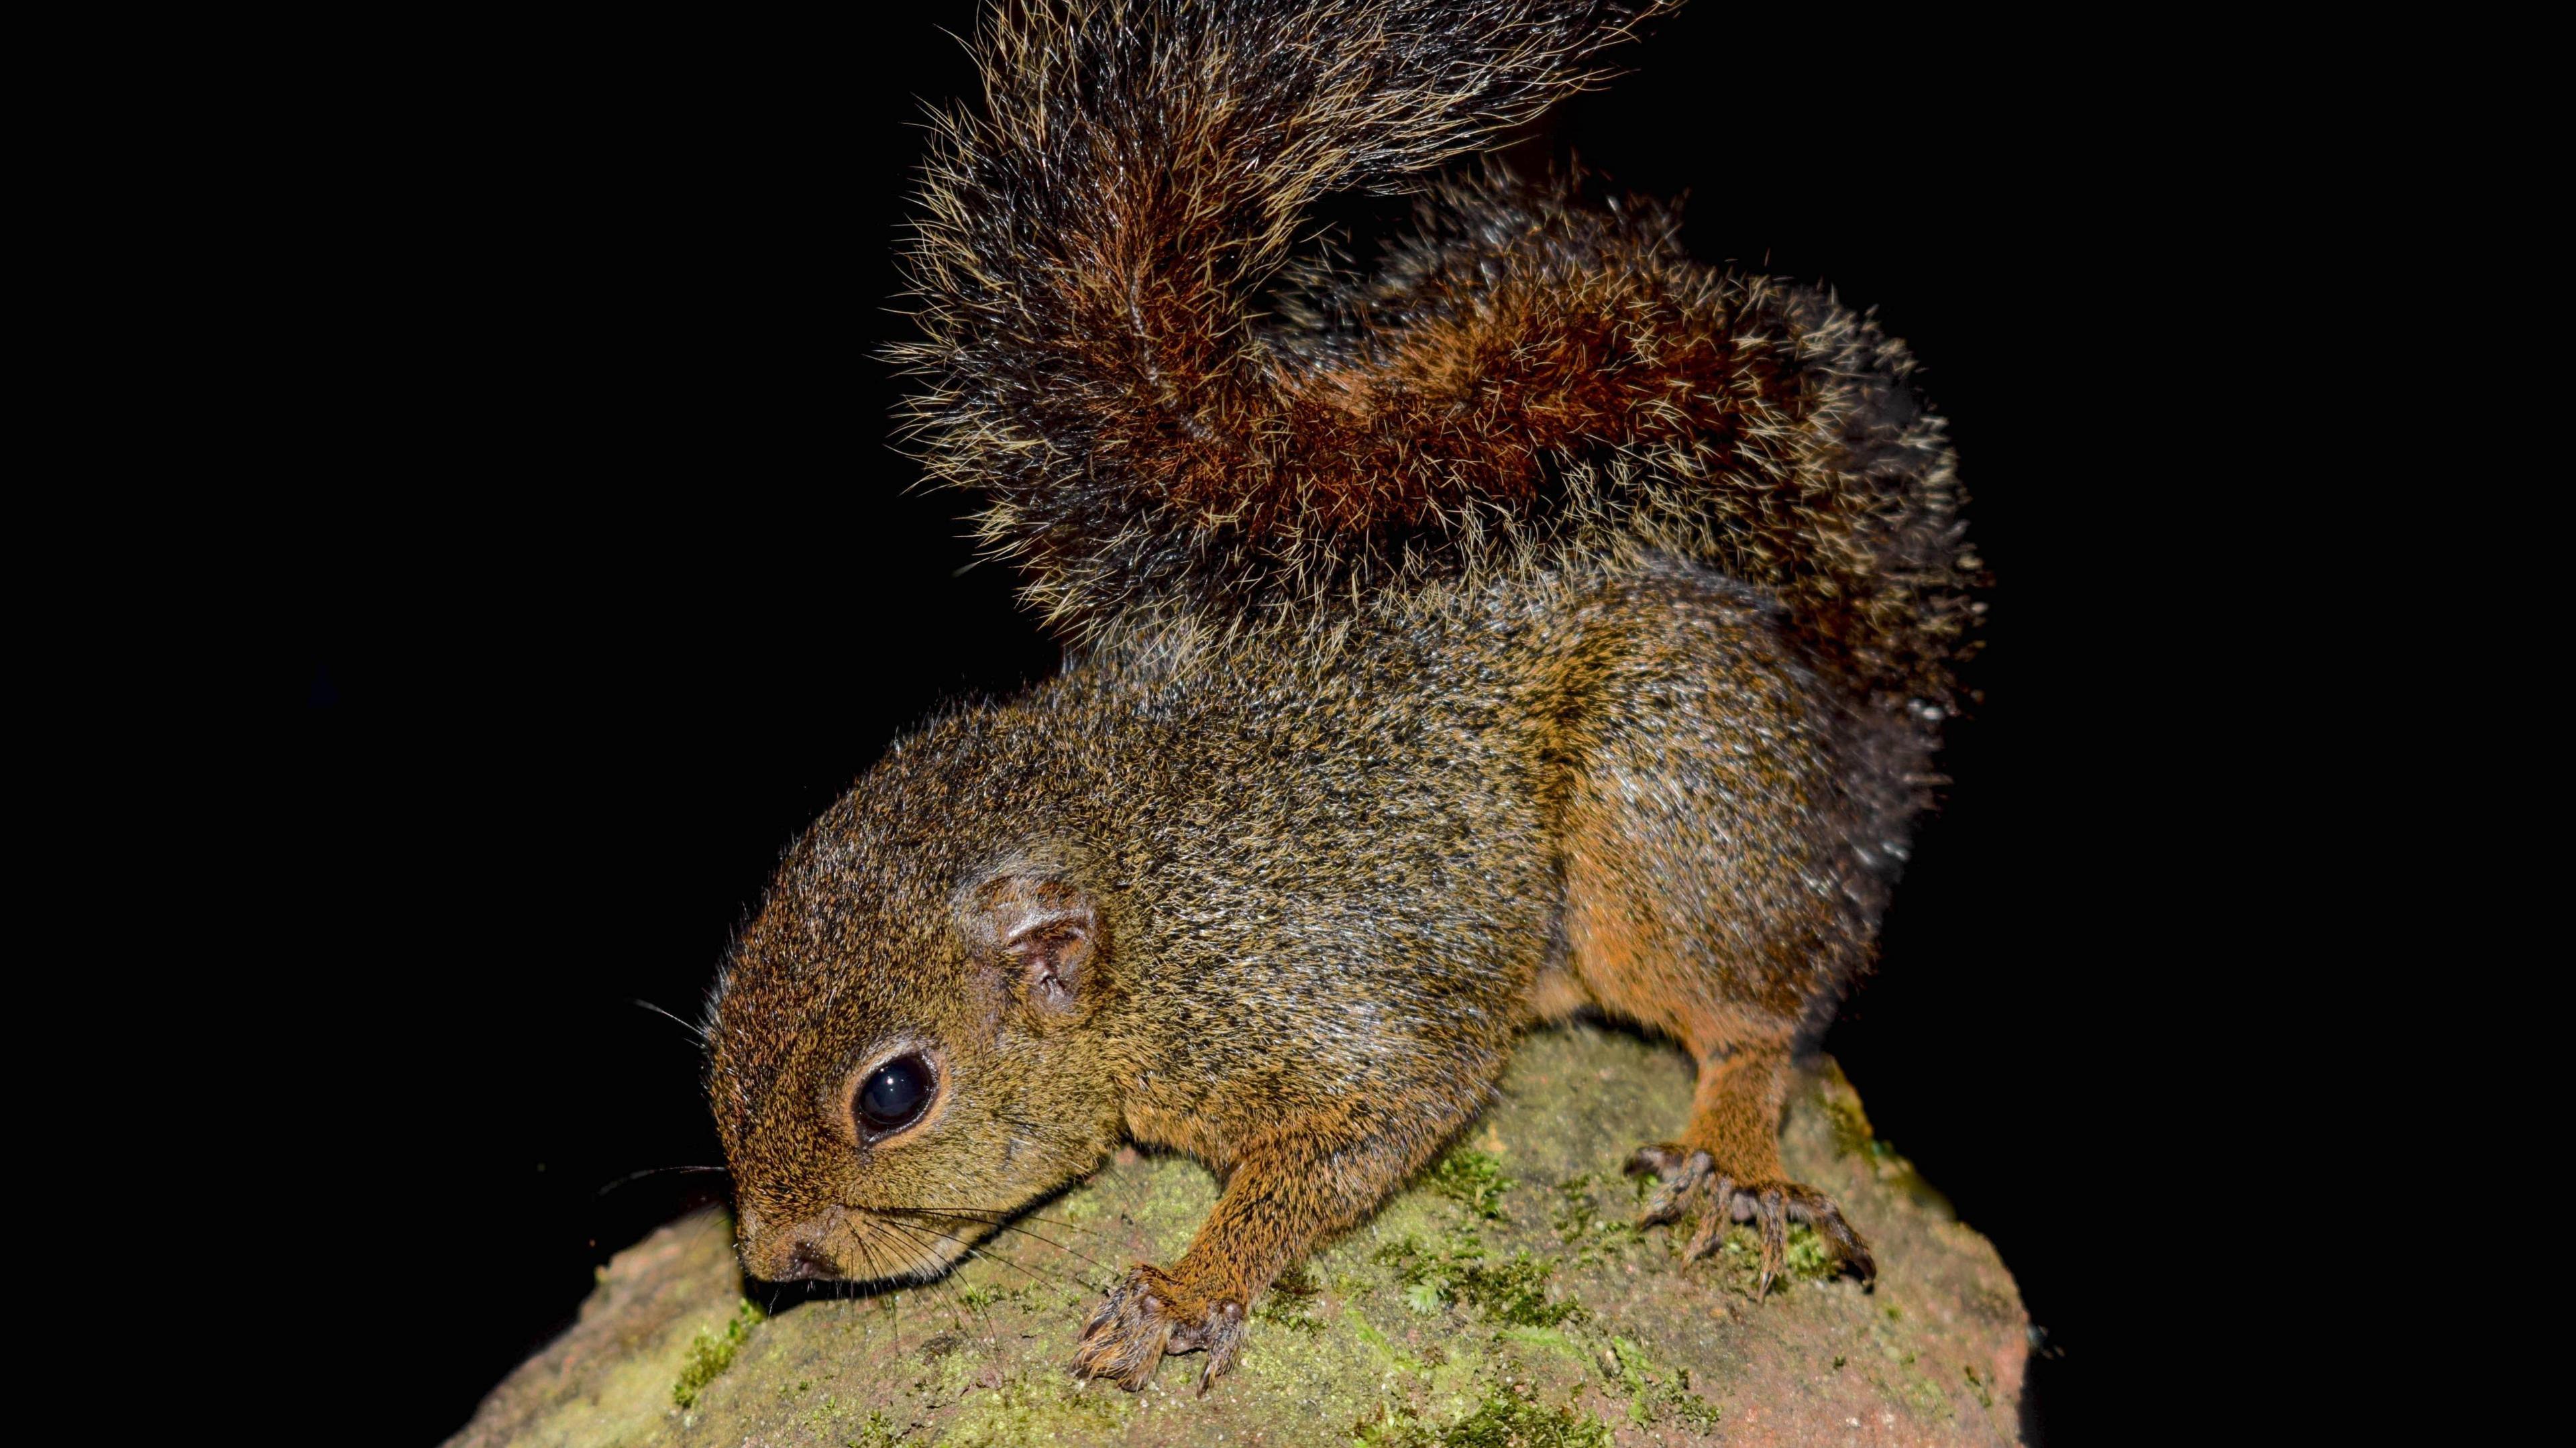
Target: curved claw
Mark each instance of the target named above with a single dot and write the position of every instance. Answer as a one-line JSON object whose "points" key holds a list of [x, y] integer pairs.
{"points": [[1683, 1174], [1771, 1210], [1149, 1314], [1128, 1333], [1692, 1184], [1221, 1334], [1713, 1218], [1820, 1213]]}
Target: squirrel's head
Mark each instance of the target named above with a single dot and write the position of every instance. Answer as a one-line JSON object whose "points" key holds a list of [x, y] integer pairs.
{"points": [[904, 1049]]}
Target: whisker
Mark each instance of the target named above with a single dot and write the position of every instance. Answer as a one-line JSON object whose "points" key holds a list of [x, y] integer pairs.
{"points": [[919, 1277], [1018, 1230], [997, 1214], [1005, 1226], [945, 1284], [894, 1297], [973, 1249], [693, 1029], [927, 1235], [636, 1176]]}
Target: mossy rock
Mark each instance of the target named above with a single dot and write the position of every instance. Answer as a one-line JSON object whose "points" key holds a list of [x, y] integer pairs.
{"points": [[1502, 1301]]}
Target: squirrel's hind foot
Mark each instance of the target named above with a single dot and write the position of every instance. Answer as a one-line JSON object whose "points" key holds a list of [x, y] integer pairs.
{"points": [[1150, 1313], [1689, 1182]]}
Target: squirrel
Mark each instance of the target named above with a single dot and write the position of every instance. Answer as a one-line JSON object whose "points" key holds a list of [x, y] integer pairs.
{"points": [[1541, 623]]}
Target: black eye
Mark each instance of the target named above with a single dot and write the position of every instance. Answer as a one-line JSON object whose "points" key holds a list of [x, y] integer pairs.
{"points": [[894, 1093]]}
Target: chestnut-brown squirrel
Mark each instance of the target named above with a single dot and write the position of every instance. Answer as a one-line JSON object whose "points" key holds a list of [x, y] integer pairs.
{"points": [[1543, 623]]}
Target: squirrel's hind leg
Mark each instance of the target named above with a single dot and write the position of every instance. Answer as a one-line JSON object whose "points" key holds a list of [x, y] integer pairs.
{"points": [[1726, 1168], [1709, 892]]}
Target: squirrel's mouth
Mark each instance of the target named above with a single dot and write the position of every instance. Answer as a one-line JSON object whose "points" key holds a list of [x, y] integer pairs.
{"points": [[862, 1244]]}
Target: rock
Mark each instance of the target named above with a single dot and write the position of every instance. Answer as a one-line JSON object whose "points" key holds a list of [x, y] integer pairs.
{"points": [[1503, 1299]]}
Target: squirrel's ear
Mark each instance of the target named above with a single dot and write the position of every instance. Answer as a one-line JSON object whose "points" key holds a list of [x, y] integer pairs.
{"points": [[1041, 934]]}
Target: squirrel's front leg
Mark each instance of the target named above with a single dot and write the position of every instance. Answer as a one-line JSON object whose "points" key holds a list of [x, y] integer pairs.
{"points": [[1278, 1199]]}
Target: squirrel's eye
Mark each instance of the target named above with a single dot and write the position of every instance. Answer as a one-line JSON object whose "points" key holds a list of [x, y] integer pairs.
{"points": [[894, 1093]]}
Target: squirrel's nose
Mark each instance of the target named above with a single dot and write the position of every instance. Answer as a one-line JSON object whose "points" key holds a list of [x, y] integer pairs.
{"points": [[806, 1260]]}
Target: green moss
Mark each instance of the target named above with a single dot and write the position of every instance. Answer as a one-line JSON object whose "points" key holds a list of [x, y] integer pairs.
{"points": [[878, 1432], [825, 1416], [1510, 1421], [1287, 1313], [1630, 1361], [1512, 1292], [1850, 1124], [1652, 1394], [1552, 1338], [1400, 1427], [1289, 1302], [1505, 1419], [1473, 1179], [1386, 1348], [975, 1297], [1803, 1258], [1697, 1411], [711, 1352], [1593, 1228], [952, 1370], [1806, 1256], [1400, 1254], [1038, 1409]]}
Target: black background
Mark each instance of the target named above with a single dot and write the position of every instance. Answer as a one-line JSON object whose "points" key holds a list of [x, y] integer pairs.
{"points": [[592, 579]]}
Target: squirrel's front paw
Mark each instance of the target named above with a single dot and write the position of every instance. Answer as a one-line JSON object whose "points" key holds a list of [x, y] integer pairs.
{"points": [[1150, 1313], [1690, 1180]]}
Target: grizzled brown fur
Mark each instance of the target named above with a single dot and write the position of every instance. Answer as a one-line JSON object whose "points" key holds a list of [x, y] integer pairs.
{"points": [[1523, 383], [1544, 624]]}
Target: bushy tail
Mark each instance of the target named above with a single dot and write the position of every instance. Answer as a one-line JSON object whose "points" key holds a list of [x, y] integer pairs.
{"points": [[1525, 384]]}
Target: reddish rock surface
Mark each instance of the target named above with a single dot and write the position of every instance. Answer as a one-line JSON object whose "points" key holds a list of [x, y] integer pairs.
{"points": [[1503, 1300]]}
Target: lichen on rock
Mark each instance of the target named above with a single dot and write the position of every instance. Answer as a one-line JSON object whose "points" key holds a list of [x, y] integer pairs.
{"points": [[712, 1351], [1505, 1300]]}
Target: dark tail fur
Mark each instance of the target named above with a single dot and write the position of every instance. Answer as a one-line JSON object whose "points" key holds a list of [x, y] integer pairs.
{"points": [[1525, 384]]}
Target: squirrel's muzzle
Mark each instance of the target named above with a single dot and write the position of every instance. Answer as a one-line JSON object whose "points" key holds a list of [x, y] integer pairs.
{"points": [[792, 1251], [851, 1244]]}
